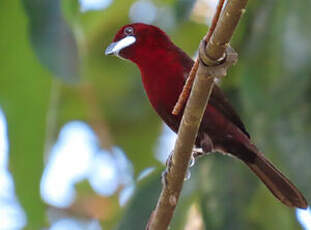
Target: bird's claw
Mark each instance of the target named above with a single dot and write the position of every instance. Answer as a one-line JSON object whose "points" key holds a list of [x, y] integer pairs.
{"points": [[164, 178], [169, 163], [197, 152]]}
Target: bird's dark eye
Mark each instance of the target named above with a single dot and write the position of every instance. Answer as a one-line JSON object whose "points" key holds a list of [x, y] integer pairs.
{"points": [[128, 30]]}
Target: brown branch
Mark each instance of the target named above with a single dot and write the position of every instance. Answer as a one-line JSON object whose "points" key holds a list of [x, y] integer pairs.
{"points": [[186, 90], [195, 107], [233, 10]]}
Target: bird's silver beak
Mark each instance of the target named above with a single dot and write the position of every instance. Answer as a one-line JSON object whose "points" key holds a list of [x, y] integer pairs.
{"points": [[110, 49], [116, 47]]}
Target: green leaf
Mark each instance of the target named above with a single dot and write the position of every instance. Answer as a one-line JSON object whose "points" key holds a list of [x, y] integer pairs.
{"points": [[142, 203], [24, 96], [52, 39]]}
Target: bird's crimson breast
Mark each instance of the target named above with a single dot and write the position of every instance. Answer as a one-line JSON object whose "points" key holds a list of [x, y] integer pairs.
{"points": [[163, 91]]}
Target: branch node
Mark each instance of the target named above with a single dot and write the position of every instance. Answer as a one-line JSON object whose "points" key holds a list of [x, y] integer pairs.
{"points": [[217, 68]]}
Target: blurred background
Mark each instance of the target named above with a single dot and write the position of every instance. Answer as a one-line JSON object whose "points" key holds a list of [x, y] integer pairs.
{"points": [[81, 148]]}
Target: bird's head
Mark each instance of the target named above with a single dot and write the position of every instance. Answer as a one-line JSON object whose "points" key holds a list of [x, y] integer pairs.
{"points": [[138, 41]]}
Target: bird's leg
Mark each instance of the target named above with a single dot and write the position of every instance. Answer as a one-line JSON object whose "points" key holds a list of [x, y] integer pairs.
{"points": [[206, 144], [207, 147]]}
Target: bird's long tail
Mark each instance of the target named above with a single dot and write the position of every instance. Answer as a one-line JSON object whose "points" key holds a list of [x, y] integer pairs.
{"points": [[276, 182]]}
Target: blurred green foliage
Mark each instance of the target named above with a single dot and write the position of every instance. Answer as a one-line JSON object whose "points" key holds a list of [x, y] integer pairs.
{"points": [[46, 46]]}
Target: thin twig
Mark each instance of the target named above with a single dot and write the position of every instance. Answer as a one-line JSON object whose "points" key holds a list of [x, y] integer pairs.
{"points": [[193, 114], [186, 90]]}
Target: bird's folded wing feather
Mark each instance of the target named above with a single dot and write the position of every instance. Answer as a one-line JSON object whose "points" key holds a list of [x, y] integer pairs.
{"points": [[219, 101]]}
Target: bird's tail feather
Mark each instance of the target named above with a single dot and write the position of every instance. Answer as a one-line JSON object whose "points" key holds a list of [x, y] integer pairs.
{"points": [[276, 182]]}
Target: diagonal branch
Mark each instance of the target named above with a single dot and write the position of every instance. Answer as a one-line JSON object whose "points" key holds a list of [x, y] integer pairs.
{"points": [[202, 87], [187, 88]]}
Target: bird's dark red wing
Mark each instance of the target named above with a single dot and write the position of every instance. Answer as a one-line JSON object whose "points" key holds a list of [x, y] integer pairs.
{"points": [[219, 101]]}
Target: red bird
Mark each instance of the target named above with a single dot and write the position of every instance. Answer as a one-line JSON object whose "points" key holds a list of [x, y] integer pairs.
{"points": [[164, 68]]}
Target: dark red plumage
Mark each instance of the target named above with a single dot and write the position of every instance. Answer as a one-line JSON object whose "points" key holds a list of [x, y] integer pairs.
{"points": [[164, 68]]}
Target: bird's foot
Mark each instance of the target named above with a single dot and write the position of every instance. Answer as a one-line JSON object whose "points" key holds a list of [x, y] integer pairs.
{"points": [[207, 148], [196, 153], [169, 163]]}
